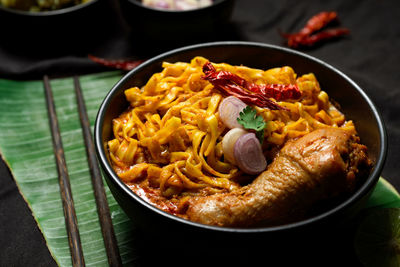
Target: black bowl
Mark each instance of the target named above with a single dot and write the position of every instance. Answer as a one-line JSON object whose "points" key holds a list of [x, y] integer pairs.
{"points": [[52, 31], [170, 28], [47, 21], [354, 102]]}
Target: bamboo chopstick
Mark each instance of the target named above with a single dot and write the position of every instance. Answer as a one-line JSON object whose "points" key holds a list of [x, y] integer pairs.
{"points": [[107, 229], [63, 178]]}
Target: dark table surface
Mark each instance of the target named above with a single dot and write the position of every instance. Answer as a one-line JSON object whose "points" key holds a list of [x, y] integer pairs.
{"points": [[370, 56]]}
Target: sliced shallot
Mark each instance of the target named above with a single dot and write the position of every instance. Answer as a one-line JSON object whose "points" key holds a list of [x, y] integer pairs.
{"points": [[229, 110], [229, 141], [248, 154]]}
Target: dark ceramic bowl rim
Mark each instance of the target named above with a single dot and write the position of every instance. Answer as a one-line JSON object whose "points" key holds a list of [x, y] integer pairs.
{"points": [[56, 12], [139, 4], [366, 187]]}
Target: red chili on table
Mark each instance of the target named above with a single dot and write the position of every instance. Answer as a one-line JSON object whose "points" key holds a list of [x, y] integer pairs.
{"points": [[250, 93], [318, 22], [322, 36], [117, 64], [307, 36]]}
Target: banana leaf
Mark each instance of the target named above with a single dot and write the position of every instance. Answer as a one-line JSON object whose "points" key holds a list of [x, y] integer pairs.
{"points": [[26, 147]]}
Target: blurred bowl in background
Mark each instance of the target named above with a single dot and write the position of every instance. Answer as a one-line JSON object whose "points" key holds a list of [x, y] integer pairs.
{"points": [[34, 6], [52, 30], [171, 28], [21, 20]]}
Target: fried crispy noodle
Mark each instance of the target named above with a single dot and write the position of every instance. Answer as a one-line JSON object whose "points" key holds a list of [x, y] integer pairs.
{"points": [[167, 145]]}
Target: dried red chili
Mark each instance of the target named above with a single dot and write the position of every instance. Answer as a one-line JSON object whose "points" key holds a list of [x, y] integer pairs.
{"points": [[322, 36], [277, 91], [117, 64], [318, 22], [250, 93], [307, 36]]}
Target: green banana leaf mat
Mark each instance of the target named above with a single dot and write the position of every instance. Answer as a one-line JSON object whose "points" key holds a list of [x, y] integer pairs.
{"points": [[26, 146]]}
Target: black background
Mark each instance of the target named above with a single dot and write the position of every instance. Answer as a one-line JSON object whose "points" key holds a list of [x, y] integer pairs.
{"points": [[370, 56]]}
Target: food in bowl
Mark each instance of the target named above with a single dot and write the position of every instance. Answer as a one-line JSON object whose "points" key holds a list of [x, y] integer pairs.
{"points": [[177, 4], [235, 146], [40, 5]]}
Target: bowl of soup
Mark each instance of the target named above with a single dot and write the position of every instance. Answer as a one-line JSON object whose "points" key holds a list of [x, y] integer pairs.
{"points": [[176, 23], [52, 26], [239, 138]]}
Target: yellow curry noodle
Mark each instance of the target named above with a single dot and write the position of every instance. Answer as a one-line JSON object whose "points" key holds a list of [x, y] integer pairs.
{"points": [[170, 137]]}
